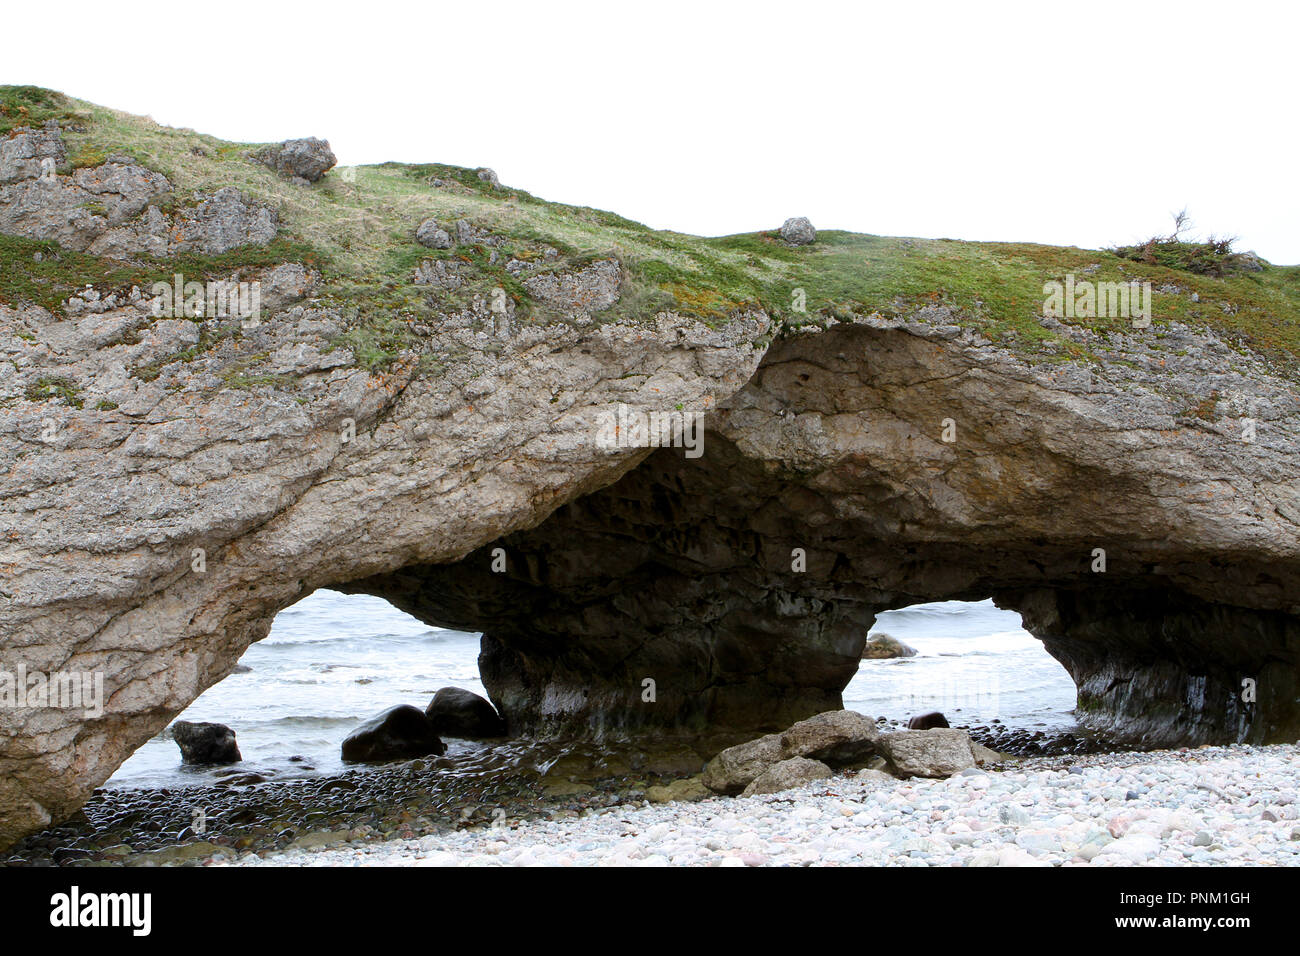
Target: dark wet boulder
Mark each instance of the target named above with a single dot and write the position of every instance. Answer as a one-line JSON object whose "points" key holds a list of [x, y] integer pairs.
{"points": [[928, 720], [399, 733], [456, 712], [205, 743]]}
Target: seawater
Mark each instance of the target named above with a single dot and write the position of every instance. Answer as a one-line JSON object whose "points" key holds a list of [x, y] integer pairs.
{"points": [[333, 660]]}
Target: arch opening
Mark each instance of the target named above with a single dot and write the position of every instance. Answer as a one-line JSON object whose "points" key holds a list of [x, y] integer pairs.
{"points": [[977, 665], [330, 661]]}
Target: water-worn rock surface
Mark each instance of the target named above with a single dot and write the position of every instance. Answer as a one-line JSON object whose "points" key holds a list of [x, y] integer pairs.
{"points": [[449, 428]]}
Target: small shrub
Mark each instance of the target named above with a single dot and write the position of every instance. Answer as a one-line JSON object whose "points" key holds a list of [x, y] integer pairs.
{"points": [[1213, 257]]}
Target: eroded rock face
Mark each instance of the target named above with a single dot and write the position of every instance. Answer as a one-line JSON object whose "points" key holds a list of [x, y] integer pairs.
{"points": [[113, 209], [592, 289], [1162, 667], [270, 495], [23, 153]]}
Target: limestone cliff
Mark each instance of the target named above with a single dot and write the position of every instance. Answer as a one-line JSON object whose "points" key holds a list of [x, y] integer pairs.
{"points": [[401, 380]]}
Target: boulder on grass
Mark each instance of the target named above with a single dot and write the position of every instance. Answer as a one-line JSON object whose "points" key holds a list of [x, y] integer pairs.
{"points": [[205, 743], [798, 231], [837, 738], [927, 753], [786, 774], [399, 733], [432, 235], [735, 768], [456, 712], [308, 158]]}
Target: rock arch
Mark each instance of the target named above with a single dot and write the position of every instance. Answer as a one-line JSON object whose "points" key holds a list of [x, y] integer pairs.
{"points": [[683, 571], [626, 563]]}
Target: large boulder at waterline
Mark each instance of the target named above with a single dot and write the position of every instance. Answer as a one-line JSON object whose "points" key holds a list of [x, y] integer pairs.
{"points": [[456, 712], [399, 733], [205, 743]]}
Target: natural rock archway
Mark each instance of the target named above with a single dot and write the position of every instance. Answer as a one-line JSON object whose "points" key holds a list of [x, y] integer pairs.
{"points": [[169, 482], [676, 569], [743, 583]]}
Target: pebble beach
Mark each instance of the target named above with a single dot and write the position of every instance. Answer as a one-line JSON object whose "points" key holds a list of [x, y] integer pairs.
{"points": [[1191, 807]]}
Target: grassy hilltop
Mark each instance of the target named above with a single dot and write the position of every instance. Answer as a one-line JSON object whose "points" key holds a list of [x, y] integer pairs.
{"points": [[357, 227]]}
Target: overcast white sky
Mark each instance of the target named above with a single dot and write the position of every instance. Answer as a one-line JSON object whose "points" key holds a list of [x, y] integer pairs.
{"points": [[1084, 125]]}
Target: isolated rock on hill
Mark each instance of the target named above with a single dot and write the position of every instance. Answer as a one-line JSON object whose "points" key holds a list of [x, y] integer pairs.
{"points": [[432, 235], [308, 159], [798, 231]]}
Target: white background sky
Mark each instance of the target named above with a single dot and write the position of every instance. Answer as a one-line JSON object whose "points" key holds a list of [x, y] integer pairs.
{"points": [[1083, 125]]}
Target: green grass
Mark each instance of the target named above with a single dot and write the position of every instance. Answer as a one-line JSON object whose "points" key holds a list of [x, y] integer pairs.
{"points": [[54, 388], [360, 235], [33, 106], [37, 272]]}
